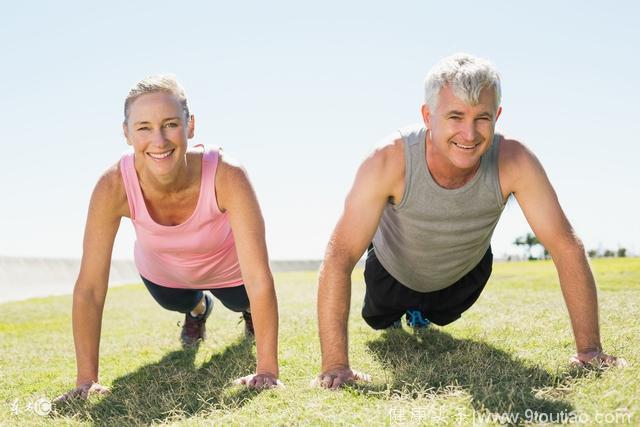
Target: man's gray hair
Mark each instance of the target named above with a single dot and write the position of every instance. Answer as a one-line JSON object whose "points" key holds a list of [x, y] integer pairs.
{"points": [[159, 83], [466, 74]]}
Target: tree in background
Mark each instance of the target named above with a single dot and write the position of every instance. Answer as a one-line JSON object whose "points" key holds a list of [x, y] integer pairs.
{"points": [[529, 241]]}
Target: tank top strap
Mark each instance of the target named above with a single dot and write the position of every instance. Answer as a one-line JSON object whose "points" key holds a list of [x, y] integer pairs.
{"points": [[131, 185], [210, 159]]}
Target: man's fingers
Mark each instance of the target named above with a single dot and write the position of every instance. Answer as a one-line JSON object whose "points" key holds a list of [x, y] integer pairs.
{"points": [[256, 382], [337, 382], [600, 360], [361, 376], [240, 381]]}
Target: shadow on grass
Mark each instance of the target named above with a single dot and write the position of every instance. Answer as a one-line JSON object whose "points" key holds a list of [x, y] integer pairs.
{"points": [[172, 389], [433, 362]]}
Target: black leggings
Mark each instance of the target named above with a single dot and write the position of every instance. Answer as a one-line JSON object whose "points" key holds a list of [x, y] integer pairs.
{"points": [[184, 300]]}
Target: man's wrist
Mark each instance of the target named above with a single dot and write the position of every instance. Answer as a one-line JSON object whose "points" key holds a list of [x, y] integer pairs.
{"points": [[586, 350], [335, 366]]}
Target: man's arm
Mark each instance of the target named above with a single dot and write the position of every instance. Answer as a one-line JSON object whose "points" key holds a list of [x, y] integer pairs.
{"points": [[527, 180], [237, 198], [376, 182]]}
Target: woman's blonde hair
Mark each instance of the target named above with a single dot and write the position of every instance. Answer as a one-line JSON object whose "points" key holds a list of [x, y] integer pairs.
{"points": [[158, 83]]}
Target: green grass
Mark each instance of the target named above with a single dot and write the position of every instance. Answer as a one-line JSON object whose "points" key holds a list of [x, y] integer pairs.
{"points": [[508, 354]]}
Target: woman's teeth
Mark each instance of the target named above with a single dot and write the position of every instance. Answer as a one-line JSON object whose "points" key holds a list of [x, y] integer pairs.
{"points": [[161, 156]]}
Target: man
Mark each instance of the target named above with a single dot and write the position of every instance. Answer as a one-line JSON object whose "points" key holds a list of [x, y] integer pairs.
{"points": [[426, 203]]}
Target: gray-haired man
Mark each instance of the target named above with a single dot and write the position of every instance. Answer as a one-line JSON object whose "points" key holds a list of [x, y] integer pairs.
{"points": [[426, 203]]}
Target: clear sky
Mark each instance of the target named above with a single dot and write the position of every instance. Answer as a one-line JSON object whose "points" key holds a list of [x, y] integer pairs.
{"points": [[299, 92]]}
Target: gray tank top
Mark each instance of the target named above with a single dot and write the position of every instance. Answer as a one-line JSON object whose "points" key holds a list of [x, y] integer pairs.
{"points": [[435, 236]]}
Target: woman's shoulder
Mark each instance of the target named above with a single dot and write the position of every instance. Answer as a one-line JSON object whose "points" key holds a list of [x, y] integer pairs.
{"points": [[229, 168], [111, 188]]}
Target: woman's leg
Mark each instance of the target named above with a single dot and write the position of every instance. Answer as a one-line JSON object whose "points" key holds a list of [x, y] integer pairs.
{"points": [[181, 300], [234, 298]]}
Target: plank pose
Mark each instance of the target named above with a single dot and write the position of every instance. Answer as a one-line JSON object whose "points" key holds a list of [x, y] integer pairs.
{"points": [[199, 233], [426, 203]]}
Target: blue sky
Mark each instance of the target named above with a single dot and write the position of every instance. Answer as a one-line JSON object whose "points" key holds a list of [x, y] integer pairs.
{"points": [[300, 92]]}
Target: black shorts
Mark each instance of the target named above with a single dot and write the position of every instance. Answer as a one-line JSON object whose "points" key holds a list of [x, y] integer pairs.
{"points": [[386, 299]]}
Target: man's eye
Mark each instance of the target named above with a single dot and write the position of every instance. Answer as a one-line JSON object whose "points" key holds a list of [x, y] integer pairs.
{"points": [[171, 125], [143, 128], [455, 117]]}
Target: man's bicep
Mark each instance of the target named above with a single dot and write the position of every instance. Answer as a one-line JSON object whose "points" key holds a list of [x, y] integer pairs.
{"points": [[363, 208], [539, 203]]}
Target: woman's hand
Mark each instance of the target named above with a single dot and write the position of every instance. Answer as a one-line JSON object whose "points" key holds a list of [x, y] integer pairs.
{"points": [[82, 391]]}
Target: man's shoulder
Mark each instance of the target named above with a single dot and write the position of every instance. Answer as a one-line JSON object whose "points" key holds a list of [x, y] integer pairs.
{"points": [[517, 163], [513, 152], [388, 153]]}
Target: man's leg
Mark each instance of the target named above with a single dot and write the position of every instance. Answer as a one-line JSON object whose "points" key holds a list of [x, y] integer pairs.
{"points": [[386, 300], [447, 305]]}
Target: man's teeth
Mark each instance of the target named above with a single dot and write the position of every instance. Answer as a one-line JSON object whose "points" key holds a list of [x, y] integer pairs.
{"points": [[161, 155], [465, 147]]}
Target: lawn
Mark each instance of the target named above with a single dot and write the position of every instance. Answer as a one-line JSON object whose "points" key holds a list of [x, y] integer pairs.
{"points": [[505, 358]]}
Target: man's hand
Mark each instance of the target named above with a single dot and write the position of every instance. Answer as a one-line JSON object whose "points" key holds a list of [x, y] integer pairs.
{"points": [[334, 378], [259, 381], [597, 358], [82, 391]]}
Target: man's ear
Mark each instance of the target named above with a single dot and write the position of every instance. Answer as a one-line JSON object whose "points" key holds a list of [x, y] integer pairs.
{"points": [[125, 130], [426, 115], [498, 113]]}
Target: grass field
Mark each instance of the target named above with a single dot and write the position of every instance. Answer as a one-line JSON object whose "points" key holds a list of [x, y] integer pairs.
{"points": [[506, 357]]}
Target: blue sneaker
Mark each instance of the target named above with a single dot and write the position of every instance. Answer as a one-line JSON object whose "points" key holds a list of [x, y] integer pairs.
{"points": [[416, 320]]}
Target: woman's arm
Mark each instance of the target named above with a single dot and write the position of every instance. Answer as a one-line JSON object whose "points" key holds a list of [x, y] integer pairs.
{"points": [[237, 198], [103, 220]]}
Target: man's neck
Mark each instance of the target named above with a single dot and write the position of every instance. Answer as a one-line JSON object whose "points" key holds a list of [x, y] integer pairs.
{"points": [[443, 172]]}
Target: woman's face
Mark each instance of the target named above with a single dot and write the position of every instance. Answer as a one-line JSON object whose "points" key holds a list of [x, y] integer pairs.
{"points": [[158, 131]]}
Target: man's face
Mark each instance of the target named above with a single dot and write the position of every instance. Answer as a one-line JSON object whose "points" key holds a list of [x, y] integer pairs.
{"points": [[461, 133]]}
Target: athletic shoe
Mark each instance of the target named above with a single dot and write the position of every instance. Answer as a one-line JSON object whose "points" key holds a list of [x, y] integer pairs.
{"points": [[193, 328], [415, 319], [248, 324]]}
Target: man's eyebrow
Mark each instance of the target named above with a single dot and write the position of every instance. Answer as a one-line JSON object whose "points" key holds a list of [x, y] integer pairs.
{"points": [[145, 122], [455, 113]]}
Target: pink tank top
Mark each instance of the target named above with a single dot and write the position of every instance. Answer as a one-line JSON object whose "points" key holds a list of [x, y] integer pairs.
{"points": [[200, 253]]}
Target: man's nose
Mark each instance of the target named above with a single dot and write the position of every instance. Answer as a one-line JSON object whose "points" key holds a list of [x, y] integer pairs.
{"points": [[469, 130]]}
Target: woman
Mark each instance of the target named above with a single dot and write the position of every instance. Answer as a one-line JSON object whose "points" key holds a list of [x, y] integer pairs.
{"points": [[199, 231]]}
